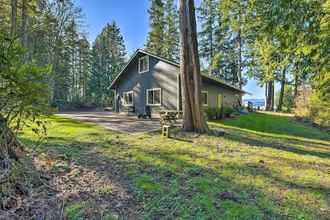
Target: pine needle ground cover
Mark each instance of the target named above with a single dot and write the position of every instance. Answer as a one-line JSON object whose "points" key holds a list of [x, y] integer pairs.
{"points": [[267, 166]]}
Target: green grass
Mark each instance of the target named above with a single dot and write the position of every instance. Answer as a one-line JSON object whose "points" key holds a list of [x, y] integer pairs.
{"points": [[271, 166]]}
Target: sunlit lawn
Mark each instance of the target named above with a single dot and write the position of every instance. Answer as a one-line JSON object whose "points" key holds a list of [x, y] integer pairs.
{"points": [[265, 167]]}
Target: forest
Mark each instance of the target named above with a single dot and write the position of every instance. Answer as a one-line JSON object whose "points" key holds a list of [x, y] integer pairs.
{"points": [[238, 40]]}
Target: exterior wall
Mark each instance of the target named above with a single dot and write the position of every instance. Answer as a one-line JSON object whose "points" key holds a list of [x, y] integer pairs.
{"points": [[160, 75], [165, 76], [229, 96]]}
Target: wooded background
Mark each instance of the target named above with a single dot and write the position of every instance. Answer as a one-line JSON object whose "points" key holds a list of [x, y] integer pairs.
{"points": [[284, 41]]}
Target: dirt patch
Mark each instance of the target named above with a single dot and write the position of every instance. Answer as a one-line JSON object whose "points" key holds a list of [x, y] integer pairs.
{"points": [[64, 190]]}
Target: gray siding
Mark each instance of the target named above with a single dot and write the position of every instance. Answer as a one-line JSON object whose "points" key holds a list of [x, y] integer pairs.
{"points": [[161, 75], [165, 76], [230, 97]]}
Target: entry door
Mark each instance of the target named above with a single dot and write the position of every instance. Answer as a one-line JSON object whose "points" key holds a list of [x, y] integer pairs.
{"points": [[220, 100]]}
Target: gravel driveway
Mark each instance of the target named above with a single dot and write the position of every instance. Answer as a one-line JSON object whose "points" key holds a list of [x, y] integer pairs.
{"points": [[115, 121]]}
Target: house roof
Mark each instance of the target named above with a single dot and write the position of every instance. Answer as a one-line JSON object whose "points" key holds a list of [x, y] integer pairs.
{"points": [[205, 76]]}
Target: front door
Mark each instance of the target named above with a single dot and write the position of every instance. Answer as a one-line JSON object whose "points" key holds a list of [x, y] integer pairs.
{"points": [[220, 100]]}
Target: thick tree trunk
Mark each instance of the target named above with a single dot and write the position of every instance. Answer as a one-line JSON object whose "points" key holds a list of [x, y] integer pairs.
{"points": [[270, 96], [193, 117], [24, 23], [13, 17], [10, 147], [280, 101]]}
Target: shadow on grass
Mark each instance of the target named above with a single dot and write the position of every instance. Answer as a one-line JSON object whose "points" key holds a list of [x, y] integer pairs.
{"points": [[174, 187], [298, 147], [276, 126]]}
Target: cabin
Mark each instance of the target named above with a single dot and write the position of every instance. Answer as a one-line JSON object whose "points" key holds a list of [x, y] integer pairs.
{"points": [[152, 82]]}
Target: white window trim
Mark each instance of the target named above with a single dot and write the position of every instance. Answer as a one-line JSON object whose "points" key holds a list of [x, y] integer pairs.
{"points": [[126, 93], [154, 89], [207, 98], [146, 57]]}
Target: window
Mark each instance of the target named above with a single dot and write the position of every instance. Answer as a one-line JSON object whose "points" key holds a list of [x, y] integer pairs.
{"points": [[144, 64], [128, 98], [154, 96], [205, 98]]}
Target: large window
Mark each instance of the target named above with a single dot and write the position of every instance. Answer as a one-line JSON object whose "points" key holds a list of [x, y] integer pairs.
{"points": [[154, 96], [205, 98], [128, 98], [143, 64]]}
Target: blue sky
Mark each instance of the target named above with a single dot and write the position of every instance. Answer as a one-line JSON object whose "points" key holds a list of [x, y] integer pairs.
{"points": [[132, 18]]}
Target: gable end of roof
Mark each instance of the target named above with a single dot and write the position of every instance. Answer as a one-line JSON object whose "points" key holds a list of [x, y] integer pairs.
{"points": [[219, 81]]}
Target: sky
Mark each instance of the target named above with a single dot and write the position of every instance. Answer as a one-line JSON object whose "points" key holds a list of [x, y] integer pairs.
{"points": [[132, 18]]}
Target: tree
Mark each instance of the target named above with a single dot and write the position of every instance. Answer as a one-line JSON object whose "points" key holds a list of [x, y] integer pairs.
{"points": [[287, 99], [171, 37], [23, 94], [108, 57], [193, 118], [155, 39], [209, 18], [235, 17]]}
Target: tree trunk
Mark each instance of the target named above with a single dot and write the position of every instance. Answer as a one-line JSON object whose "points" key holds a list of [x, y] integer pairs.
{"points": [[270, 96], [24, 23], [280, 101], [193, 117], [13, 17], [296, 84]]}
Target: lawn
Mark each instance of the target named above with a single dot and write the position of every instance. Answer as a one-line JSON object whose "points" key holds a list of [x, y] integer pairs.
{"points": [[267, 166]]}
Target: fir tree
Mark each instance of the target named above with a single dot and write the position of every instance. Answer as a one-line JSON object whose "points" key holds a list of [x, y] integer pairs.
{"points": [[171, 38], [155, 39], [210, 23], [108, 57]]}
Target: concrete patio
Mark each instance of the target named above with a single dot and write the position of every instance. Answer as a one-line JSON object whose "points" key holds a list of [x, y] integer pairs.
{"points": [[116, 122]]}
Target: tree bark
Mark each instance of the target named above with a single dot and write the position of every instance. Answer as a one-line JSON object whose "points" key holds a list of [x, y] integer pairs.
{"points": [[193, 117], [270, 96], [296, 84], [13, 17], [24, 23], [280, 101]]}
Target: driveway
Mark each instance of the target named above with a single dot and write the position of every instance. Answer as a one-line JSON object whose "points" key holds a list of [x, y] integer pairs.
{"points": [[115, 121]]}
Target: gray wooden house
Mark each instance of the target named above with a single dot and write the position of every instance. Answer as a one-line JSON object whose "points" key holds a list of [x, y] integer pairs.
{"points": [[149, 80]]}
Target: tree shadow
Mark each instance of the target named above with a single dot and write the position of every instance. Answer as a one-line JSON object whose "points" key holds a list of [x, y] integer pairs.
{"points": [[276, 126], [298, 147], [176, 187]]}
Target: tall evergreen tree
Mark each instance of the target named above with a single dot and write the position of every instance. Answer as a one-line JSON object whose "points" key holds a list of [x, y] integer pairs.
{"points": [[155, 39], [210, 24], [171, 37], [108, 57]]}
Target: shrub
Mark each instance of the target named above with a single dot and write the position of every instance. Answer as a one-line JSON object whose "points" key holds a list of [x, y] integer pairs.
{"points": [[227, 111], [310, 107], [213, 113]]}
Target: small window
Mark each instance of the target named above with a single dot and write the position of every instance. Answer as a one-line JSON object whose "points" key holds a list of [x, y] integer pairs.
{"points": [[144, 64], [128, 98], [205, 98], [154, 96]]}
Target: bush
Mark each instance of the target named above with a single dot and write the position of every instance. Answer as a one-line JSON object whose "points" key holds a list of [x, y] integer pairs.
{"points": [[227, 111], [309, 107], [213, 113]]}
